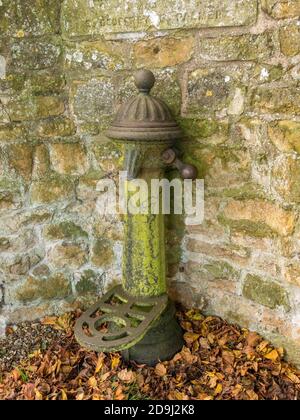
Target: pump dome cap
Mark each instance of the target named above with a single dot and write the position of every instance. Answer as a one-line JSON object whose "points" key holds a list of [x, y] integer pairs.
{"points": [[144, 118]]}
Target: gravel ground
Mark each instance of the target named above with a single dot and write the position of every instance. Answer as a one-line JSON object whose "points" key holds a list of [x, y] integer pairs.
{"points": [[23, 339]]}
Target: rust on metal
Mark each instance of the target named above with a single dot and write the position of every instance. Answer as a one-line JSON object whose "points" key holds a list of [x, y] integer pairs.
{"points": [[118, 320]]}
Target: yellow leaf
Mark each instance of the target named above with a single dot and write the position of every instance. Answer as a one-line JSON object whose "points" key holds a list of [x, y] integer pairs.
{"points": [[262, 345], [176, 395], [38, 395], [93, 382], [190, 337], [80, 396], [99, 363], [160, 369], [218, 390], [119, 393], [64, 396], [252, 395], [115, 362], [194, 315], [272, 355], [204, 397], [49, 320]]}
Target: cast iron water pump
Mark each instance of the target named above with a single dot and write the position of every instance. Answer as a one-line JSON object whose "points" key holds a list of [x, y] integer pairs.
{"points": [[137, 317]]}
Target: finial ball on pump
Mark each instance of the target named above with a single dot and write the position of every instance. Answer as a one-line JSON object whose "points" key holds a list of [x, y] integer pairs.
{"points": [[144, 80]]}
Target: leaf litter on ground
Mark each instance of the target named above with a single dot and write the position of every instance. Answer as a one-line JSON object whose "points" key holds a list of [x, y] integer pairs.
{"points": [[218, 362]]}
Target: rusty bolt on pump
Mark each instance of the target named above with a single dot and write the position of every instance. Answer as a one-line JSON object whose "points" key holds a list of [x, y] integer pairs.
{"points": [[138, 314]]}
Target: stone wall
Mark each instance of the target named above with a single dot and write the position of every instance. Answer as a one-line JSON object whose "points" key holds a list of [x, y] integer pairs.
{"points": [[230, 71]]}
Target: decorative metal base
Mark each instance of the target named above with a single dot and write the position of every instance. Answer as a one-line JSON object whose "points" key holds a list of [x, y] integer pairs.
{"points": [[118, 320], [161, 343]]}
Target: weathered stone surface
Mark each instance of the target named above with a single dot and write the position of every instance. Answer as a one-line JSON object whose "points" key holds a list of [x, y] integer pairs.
{"points": [[285, 178], [94, 100], [127, 16], [42, 271], [242, 47], [35, 54], [41, 162], [212, 89], [64, 230], [203, 128], [56, 127], [4, 244], [292, 273], [265, 73], [69, 158], [2, 67], [51, 190], [34, 108], [96, 55], [21, 159], [87, 282], [9, 200], [282, 9], [11, 224], [232, 253], [20, 18], [163, 52], [266, 293], [16, 265], [221, 168], [67, 256], [44, 82], [285, 135], [12, 132], [102, 253], [263, 214], [55, 287], [290, 40], [276, 100]]}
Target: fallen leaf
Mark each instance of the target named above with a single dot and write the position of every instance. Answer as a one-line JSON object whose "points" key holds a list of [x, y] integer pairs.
{"points": [[219, 389], [272, 355], [160, 369], [100, 363], [92, 382], [190, 337], [115, 362], [64, 395], [293, 377], [127, 376]]}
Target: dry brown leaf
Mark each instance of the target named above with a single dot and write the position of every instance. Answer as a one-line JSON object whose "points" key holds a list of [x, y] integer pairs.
{"points": [[293, 377], [127, 376], [252, 339], [92, 382], [190, 337], [100, 363], [252, 395], [160, 370]]}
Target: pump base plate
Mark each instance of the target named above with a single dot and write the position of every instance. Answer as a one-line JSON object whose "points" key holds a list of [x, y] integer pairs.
{"points": [[118, 320]]}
